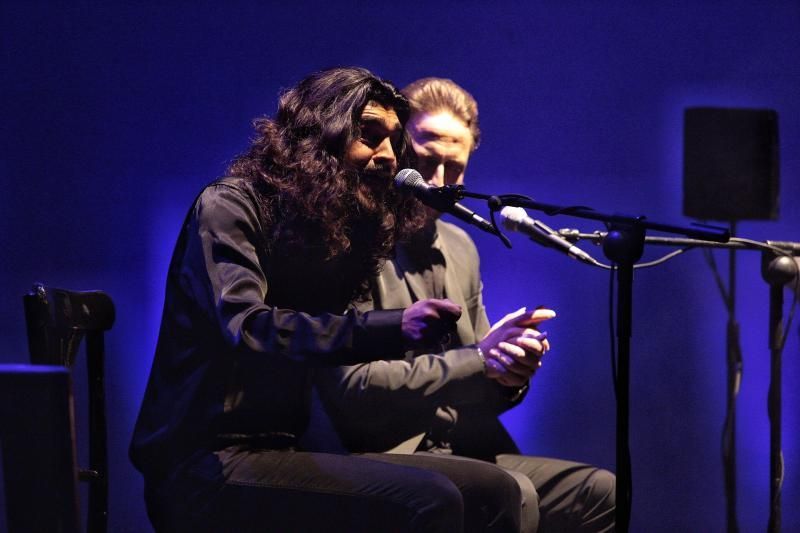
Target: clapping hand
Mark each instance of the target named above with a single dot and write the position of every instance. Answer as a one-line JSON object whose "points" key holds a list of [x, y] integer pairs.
{"points": [[426, 322], [513, 347]]}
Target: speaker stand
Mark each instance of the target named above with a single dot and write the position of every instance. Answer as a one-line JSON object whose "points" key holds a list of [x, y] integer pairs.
{"points": [[733, 353]]}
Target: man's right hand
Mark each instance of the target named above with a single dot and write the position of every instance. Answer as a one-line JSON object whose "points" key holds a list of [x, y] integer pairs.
{"points": [[513, 348], [426, 322]]}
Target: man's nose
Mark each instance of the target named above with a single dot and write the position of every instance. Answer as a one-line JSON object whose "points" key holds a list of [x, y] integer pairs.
{"points": [[437, 178], [384, 155]]}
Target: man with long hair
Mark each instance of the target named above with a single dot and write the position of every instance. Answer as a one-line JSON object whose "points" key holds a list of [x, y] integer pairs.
{"points": [[265, 283], [449, 405]]}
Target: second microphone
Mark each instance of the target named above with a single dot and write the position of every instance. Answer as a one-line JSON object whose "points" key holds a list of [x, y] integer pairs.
{"points": [[412, 181]]}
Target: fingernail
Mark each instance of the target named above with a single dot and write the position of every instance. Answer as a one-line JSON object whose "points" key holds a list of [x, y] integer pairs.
{"points": [[541, 336]]}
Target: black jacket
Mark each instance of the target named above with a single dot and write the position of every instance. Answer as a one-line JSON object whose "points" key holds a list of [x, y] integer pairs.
{"points": [[239, 332]]}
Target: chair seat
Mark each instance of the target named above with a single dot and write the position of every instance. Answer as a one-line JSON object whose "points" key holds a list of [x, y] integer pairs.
{"points": [[38, 444]]}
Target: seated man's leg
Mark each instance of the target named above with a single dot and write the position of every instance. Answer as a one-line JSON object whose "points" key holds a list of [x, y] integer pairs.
{"points": [[529, 513], [242, 490], [572, 496], [491, 495]]}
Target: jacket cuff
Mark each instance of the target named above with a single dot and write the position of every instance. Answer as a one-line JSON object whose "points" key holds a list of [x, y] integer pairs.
{"points": [[380, 335]]}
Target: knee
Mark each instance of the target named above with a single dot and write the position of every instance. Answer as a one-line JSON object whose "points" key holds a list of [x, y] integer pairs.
{"points": [[602, 489], [437, 506], [495, 484], [596, 506], [497, 500]]}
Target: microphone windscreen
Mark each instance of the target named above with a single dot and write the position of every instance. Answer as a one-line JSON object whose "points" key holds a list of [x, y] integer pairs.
{"points": [[512, 217], [408, 178]]}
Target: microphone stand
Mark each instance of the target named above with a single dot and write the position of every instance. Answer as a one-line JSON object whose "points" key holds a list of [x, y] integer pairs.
{"points": [[623, 245], [778, 270]]}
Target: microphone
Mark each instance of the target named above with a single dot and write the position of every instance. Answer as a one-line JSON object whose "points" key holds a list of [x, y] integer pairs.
{"points": [[410, 180], [516, 219]]}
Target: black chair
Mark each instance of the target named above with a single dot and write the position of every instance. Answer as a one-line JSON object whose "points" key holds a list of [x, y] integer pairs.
{"points": [[37, 438], [57, 320]]}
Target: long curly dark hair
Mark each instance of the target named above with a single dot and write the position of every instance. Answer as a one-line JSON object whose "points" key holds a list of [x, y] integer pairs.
{"points": [[311, 205]]}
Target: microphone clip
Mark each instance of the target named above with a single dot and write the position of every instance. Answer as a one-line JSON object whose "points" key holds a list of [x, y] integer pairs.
{"points": [[449, 193]]}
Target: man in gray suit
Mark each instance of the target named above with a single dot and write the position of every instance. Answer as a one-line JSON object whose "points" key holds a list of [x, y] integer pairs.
{"points": [[445, 400]]}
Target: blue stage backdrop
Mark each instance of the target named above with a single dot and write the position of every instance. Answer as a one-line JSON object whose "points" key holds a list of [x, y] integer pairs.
{"points": [[114, 115]]}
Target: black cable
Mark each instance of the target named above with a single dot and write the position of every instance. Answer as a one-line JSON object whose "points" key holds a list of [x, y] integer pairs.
{"points": [[611, 328], [495, 205], [712, 264]]}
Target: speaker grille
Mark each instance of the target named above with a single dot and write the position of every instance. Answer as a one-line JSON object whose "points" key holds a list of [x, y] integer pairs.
{"points": [[730, 164]]}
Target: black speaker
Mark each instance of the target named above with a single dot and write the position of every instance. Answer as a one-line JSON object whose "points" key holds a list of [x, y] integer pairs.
{"points": [[730, 164]]}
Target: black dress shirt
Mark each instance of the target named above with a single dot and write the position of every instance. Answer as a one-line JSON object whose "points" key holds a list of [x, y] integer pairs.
{"points": [[241, 326]]}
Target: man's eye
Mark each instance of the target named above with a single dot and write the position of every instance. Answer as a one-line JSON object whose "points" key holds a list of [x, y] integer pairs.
{"points": [[397, 142], [455, 170], [371, 140]]}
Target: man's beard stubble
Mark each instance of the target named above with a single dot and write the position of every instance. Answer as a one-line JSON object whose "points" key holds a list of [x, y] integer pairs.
{"points": [[376, 197], [380, 202]]}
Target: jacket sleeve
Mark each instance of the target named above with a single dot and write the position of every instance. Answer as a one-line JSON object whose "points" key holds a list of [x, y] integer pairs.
{"points": [[222, 271], [376, 406], [453, 377], [496, 398]]}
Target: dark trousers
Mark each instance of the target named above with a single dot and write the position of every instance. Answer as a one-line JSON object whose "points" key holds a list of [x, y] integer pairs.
{"points": [[243, 490], [556, 496], [573, 497]]}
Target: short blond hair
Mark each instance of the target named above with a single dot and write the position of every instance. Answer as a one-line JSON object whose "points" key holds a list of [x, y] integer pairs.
{"points": [[429, 95]]}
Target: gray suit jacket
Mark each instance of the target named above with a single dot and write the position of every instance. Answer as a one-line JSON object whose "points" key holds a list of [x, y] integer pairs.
{"points": [[376, 406]]}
